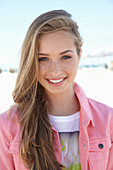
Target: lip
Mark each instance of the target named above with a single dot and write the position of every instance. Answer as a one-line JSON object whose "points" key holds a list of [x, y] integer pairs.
{"points": [[58, 83]]}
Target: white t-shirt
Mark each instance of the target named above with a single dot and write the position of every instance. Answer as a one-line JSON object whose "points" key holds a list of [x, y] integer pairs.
{"points": [[68, 128]]}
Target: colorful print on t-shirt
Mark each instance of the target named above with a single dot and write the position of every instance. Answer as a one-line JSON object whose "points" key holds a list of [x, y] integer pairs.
{"points": [[70, 150]]}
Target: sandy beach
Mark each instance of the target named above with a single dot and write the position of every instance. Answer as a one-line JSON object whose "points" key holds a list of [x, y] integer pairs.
{"points": [[96, 82]]}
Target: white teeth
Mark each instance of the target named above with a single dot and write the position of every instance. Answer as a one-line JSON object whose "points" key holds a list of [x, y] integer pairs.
{"points": [[56, 81]]}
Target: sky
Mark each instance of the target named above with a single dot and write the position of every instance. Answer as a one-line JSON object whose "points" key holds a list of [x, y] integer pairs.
{"points": [[94, 18]]}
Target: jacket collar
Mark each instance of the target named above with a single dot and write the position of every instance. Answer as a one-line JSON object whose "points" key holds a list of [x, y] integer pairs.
{"points": [[85, 111]]}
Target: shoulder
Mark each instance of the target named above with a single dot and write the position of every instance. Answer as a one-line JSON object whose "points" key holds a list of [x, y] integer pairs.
{"points": [[9, 124], [99, 107], [10, 140], [102, 116]]}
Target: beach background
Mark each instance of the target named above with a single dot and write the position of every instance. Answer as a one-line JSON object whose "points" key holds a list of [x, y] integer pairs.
{"points": [[94, 19]]}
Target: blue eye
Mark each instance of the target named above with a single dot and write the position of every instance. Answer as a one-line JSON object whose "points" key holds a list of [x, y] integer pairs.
{"points": [[43, 59], [66, 57]]}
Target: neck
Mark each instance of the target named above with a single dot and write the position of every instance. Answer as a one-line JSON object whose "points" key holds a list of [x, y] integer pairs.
{"points": [[63, 104]]}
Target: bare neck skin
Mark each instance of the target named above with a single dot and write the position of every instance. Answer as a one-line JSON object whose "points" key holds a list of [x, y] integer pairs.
{"points": [[64, 104]]}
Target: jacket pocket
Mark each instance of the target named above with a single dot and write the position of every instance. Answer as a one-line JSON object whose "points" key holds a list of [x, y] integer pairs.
{"points": [[14, 150], [100, 145], [99, 153]]}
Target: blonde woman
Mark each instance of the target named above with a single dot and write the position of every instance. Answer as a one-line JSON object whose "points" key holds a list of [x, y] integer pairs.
{"points": [[53, 125]]}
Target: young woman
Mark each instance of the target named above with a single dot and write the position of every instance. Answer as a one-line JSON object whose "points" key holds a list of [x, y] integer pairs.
{"points": [[52, 124]]}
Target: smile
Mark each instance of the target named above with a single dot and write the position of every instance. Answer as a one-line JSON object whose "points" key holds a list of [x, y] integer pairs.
{"points": [[56, 81]]}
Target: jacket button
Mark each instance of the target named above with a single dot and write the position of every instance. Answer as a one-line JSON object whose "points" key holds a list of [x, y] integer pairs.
{"points": [[100, 146]]}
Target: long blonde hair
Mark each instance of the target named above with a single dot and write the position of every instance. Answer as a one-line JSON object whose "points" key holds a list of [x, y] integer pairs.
{"points": [[36, 143]]}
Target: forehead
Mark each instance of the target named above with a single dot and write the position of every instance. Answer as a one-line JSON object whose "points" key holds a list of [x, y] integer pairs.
{"points": [[57, 40]]}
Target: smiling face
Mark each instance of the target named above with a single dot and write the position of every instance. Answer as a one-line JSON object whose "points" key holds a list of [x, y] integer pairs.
{"points": [[58, 62]]}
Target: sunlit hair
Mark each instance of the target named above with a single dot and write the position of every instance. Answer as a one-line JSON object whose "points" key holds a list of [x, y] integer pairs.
{"points": [[36, 143]]}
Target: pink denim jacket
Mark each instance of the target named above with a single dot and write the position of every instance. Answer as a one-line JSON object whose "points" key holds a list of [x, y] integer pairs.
{"points": [[95, 138]]}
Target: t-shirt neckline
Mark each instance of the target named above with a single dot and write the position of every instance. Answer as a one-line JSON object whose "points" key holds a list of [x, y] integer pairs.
{"points": [[65, 123]]}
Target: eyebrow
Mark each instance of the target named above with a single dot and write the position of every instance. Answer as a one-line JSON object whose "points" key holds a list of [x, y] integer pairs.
{"points": [[44, 54], [66, 52]]}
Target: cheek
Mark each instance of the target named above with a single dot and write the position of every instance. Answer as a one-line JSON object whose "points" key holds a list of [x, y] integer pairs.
{"points": [[42, 69], [72, 70], [72, 67]]}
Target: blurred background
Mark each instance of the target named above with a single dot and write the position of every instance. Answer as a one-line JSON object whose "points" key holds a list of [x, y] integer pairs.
{"points": [[95, 21]]}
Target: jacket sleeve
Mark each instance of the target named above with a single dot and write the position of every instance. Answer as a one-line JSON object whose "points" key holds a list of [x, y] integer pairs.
{"points": [[6, 158], [110, 161]]}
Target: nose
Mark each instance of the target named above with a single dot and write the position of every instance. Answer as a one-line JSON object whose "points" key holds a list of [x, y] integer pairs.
{"points": [[55, 68]]}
